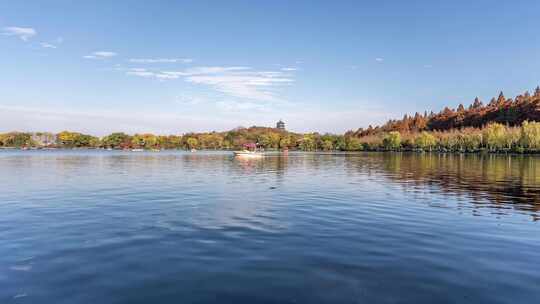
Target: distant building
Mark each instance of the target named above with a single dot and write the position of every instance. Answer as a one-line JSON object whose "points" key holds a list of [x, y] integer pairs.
{"points": [[280, 125]]}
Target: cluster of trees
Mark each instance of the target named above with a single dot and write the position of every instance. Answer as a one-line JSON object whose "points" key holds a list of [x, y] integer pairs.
{"points": [[494, 137], [503, 125], [512, 112], [268, 138], [15, 139], [76, 140]]}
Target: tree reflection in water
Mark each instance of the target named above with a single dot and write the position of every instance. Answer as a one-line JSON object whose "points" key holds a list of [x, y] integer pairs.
{"points": [[504, 181]]}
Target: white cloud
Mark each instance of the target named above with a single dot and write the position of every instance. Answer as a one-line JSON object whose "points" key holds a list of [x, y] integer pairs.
{"points": [[379, 59], [289, 69], [161, 60], [173, 74], [428, 66], [236, 81], [24, 33], [141, 73], [47, 45], [215, 70], [101, 55], [162, 76], [105, 54], [240, 82]]}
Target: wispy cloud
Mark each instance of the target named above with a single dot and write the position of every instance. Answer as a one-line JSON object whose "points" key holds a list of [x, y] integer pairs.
{"points": [[289, 69], [24, 33], [215, 70], [161, 60], [379, 59], [428, 66], [100, 55], [140, 73], [241, 82], [48, 45], [236, 81]]}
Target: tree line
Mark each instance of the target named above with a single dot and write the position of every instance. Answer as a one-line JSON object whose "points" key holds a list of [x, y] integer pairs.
{"points": [[268, 138], [503, 125], [511, 112]]}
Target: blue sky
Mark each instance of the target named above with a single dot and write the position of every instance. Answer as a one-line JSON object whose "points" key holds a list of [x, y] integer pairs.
{"points": [[327, 66]]}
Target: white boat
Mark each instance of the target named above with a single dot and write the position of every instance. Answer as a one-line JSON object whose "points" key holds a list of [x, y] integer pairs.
{"points": [[137, 150], [247, 153]]}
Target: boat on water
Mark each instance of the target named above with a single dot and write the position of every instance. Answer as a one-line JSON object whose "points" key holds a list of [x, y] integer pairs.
{"points": [[250, 150], [137, 150], [246, 153]]}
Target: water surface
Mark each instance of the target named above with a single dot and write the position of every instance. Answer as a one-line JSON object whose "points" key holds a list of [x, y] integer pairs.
{"points": [[176, 227]]}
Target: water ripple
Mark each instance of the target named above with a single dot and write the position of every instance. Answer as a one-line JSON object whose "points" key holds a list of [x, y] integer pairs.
{"points": [[117, 227]]}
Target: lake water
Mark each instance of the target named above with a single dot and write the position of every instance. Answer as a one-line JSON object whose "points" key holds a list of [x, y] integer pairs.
{"points": [[177, 227]]}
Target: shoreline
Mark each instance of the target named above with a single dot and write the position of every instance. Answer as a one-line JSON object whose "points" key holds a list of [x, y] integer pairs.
{"points": [[279, 152]]}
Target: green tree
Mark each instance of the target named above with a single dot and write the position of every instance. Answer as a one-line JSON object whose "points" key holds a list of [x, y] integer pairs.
{"points": [[494, 137], [307, 143], [192, 143], [116, 140], [87, 141], [327, 145], [352, 144], [340, 144], [530, 135], [392, 141], [426, 141], [137, 141], [285, 142], [173, 142], [17, 140], [264, 140], [66, 138], [472, 142], [275, 139]]}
